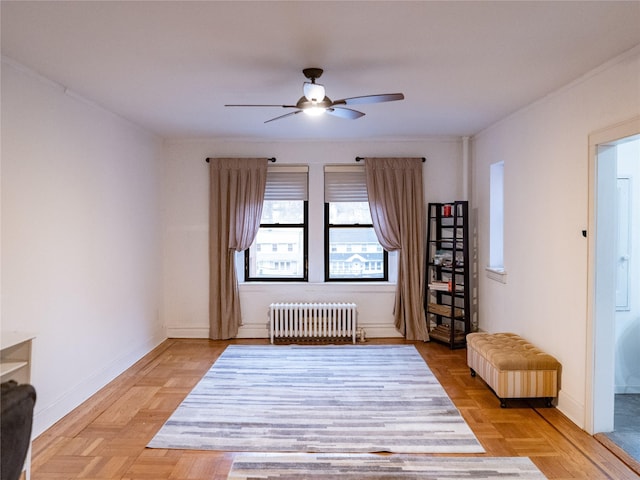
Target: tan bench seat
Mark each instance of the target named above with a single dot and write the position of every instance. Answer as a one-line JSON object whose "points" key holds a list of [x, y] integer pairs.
{"points": [[512, 367]]}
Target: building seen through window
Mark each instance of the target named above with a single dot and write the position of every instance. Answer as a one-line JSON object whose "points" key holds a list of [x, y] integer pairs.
{"points": [[355, 253], [279, 252], [353, 250]]}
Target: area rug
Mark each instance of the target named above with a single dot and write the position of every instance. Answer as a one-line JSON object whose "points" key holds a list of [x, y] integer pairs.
{"points": [[307, 466], [347, 398]]}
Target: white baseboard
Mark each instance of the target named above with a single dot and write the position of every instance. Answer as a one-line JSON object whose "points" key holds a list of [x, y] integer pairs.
{"points": [[571, 408], [371, 331], [187, 332], [255, 330], [381, 331], [47, 415]]}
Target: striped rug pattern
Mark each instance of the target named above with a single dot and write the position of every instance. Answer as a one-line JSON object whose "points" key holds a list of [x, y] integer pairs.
{"points": [[307, 466], [340, 398]]}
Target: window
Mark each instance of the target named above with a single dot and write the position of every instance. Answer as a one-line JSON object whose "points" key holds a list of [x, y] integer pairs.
{"points": [[352, 250], [280, 250], [496, 220]]}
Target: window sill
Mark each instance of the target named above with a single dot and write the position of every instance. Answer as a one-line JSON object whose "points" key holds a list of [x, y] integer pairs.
{"points": [[367, 287], [497, 274]]}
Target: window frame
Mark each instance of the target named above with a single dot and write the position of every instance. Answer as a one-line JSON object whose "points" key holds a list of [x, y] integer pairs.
{"points": [[496, 270], [305, 249], [327, 251], [284, 183]]}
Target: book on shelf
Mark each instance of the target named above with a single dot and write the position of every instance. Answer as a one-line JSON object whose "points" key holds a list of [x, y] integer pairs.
{"points": [[444, 286], [444, 310], [440, 285]]}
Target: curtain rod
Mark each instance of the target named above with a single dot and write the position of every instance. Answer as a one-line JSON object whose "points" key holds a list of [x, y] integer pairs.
{"points": [[362, 158], [272, 159]]}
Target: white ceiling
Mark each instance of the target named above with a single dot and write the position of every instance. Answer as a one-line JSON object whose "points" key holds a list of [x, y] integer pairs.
{"points": [[170, 66]]}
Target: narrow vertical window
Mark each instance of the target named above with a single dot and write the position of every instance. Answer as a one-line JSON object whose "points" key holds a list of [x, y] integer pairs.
{"points": [[496, 217]]}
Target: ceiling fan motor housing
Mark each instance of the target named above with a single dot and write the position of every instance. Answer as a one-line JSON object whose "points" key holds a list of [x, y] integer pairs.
{"points": [[304, 103]]}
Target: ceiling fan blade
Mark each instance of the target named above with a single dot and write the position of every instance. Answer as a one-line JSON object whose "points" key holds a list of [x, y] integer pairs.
{"points": [[260, 105], [383, 97], [283, 116], [344, 113]]}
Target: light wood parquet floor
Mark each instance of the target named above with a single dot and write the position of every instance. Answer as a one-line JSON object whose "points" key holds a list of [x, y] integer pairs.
{"points": [[106, 437]]}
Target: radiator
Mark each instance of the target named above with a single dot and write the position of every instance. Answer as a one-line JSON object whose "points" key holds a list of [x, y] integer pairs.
{"points": [[313, 322]]}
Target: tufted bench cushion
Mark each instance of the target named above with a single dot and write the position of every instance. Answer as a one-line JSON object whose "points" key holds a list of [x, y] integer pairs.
{"points": [[512, 367]]}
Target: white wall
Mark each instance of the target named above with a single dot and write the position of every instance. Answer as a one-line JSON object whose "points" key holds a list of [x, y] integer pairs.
{"points": [[545, 151], [627, 377], [81, 242], [185, 267]]}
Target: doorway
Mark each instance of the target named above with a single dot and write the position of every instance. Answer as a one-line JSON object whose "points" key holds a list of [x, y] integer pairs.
{"points": [[614, 282]]}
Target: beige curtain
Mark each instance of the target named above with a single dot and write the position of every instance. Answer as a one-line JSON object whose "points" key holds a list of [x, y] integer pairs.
{"points": [[396, 200], [236, 196]]}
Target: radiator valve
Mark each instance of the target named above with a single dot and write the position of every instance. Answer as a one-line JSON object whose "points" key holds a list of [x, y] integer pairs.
{"points": [[361, 335]]}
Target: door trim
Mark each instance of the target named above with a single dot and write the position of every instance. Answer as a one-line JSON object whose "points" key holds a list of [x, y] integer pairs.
{"points": [[597, 363]]}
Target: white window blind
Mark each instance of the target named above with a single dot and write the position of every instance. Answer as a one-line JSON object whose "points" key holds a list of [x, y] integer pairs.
{"points": [[287, 182], [345, 183]]}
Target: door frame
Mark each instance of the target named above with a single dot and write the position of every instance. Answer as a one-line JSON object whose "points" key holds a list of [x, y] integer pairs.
{"points": [[600, 363]]}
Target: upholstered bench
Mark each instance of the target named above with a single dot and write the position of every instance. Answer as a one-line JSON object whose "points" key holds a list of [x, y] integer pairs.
{"points": [[512, 367]]}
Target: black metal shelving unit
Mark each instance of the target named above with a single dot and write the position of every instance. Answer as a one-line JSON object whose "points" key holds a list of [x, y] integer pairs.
{"points": [[447, 296]]}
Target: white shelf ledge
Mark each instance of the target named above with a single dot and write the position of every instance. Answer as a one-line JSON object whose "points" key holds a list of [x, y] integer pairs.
{"points": [[9, 367]]}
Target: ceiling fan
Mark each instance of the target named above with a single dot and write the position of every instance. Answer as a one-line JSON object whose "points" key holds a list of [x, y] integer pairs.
{"points": [[315, 102]]}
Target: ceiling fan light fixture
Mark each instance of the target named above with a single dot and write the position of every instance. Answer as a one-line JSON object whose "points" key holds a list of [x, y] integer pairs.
{"points": [[313, 91], [314, 111]]}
